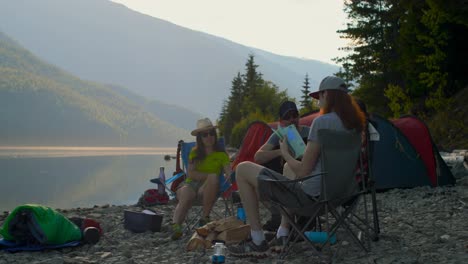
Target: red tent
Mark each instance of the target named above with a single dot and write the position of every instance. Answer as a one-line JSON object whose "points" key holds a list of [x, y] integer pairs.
{"points": [[303, 121], [257, 134], [418, 135]]}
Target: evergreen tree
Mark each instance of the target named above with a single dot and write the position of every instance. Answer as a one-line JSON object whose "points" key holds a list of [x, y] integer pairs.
{"points": [[252, 82], [223, 116], [406, 56], [252, 78], [267, 103], [230, 113], [345, 71], [235, 99], [306, 102], [373, 29], [251, 99]]}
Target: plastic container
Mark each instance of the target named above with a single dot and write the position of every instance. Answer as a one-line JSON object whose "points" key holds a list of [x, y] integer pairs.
{"points": [[320, 237], [241, 213], [219, 255], [162, 179]]}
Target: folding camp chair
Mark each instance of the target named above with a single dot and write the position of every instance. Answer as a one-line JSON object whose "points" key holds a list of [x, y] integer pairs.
{"points": [[171, 184], [367, 184], [339, 191]]}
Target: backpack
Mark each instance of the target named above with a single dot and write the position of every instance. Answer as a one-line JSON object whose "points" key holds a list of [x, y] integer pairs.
{"points": [[152, 197]]}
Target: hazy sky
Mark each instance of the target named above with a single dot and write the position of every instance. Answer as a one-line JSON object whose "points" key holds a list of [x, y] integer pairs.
{"points": [[299, 28]]}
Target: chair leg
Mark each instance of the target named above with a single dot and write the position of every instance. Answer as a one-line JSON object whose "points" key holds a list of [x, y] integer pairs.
{"points": [[342, 221], [362, 226], [374, 229], [228, 208], [299, 233], [191, 222], [366, 230], [355, 238], [375, 212]]}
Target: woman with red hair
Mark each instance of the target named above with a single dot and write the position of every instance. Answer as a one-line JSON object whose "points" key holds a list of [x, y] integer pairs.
{"points": [[339, 112]]}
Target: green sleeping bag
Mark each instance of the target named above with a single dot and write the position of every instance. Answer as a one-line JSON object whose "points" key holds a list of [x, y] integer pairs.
{"points": [[32, 223]]}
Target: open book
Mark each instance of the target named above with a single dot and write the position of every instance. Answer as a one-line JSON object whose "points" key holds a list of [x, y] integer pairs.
{"points": [[295, 142]]}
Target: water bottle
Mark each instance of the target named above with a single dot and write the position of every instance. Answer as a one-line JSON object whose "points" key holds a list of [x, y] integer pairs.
{"points": [[218, 255], [241, 213], [320, 237], [162, 180]]}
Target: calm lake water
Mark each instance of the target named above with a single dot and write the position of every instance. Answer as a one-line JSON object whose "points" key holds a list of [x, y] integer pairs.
{"points": [[63, 177]]}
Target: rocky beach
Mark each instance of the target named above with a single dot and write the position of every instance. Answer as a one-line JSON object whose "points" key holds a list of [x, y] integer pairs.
{"points": [[419, 225]]}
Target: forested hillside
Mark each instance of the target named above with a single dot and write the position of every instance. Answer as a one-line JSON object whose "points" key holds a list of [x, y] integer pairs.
{"points": [[43, 105], [411, 57]]}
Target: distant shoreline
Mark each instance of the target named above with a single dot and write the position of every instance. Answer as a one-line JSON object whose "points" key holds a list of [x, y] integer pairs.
{"points": [[80, 151]]}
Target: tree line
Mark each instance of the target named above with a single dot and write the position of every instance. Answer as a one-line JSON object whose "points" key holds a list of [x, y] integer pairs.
{"points": [[252, 98], [403, 57], [406, 57]]}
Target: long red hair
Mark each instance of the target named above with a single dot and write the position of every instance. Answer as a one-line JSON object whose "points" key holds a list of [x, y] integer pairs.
{"points": [[346, 108]]}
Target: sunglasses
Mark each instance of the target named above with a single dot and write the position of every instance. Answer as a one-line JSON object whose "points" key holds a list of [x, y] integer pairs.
{"points": [[206, 134], [290, 115]]}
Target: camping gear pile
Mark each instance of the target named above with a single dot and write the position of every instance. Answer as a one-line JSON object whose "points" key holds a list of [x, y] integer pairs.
{"points": [[229, 230]]}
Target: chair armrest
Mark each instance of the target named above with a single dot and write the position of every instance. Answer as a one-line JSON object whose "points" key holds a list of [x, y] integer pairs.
{"points": [[297, 180], [168, 181]]}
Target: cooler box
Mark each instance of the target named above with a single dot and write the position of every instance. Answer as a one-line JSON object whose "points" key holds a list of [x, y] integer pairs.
{"points": [[139, 222]]}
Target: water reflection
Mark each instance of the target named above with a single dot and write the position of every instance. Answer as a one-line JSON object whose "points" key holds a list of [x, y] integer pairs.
{"points": [[67, 182], [65, 151]]}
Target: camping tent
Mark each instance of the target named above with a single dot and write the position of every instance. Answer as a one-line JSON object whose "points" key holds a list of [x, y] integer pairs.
{"points": [[418, 135], [257, 134], [394, 161], [403, 157]]}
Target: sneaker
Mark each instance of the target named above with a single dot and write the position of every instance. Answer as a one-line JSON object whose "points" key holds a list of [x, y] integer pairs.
{"points": [[249, 249], [176, 231], [277, 244], [203, 221]]}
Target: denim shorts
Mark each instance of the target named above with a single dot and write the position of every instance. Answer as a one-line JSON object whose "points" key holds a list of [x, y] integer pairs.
{"points": [[288, 194], [195, 185]]}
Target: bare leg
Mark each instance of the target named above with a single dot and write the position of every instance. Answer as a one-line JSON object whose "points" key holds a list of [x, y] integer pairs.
{"points": [[210, 192], [288, 173], [246, 176], [185, 195]]}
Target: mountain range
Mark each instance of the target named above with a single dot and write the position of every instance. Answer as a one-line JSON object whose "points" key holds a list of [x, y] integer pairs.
{"points": [[40, 104], [175, 68]]}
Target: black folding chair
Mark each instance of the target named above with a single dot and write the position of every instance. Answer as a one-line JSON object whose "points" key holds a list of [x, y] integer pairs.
{"points": [[340, 193]]}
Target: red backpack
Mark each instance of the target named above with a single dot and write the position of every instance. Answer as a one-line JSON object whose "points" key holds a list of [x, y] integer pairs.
{"points": [[152, 197]]}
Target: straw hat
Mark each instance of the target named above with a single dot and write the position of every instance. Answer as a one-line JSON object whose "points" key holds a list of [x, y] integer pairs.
{"points": [[203, 125]]}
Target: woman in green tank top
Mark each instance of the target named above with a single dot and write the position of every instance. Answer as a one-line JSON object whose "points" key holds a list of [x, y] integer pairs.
{"points": [[206, 161]]}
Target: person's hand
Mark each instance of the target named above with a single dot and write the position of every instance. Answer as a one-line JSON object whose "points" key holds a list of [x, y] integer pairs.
{"points": [[284, 147]]}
